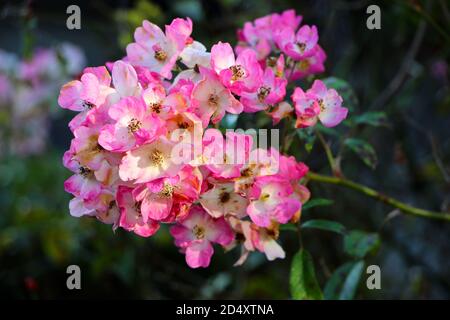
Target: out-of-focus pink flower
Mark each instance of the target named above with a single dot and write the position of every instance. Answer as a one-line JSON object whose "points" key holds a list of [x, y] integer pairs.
{"points": [[74, 58], [259, 35], [6, 90], [309, 66], [298, 45], [43, 64]]}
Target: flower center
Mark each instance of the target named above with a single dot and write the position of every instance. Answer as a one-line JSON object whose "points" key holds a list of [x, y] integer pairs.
{"points": [[183, 125], [160, 55], [238, 72], [213, 99], [134, 125], [167, 191], [199, 232], [137, 208], [273, 233], [271, 62], [321, 104], [157, 157], [84, 171], [224, 197], [304, 65], [301, 46], [156, 107], [88, 105], [264, 196], [247, 172], [240, 237], [112, 204], [98, 147], [263, 92]]}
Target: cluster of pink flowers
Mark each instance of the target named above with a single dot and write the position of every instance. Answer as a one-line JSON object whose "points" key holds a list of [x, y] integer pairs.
{"points": [[282, 33], [27, 89], [135, 124]]}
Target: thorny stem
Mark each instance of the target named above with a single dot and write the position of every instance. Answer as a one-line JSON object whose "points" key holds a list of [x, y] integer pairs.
{"points": [[410, 210]]}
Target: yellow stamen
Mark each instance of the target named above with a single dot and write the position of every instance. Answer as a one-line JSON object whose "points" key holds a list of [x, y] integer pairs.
{"points": [[167, 191], [238, 72], [199, 232], [157, 157], [160, 55], [134, 125]]}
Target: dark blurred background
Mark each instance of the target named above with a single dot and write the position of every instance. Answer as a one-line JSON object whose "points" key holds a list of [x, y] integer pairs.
{"points": [[401, 70]]}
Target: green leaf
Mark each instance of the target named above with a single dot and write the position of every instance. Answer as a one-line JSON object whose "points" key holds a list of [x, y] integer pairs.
{"points": [[373, 118], [327, 225], [288, 227], [334, 285], [359, 243], [316, 202], [364, 150], [303, 280], [344, 281], [352, 281], [345, 90]]}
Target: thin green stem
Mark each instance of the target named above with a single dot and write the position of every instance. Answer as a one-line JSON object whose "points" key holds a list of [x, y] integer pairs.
{"points": [[379, 196], [328, 152]]}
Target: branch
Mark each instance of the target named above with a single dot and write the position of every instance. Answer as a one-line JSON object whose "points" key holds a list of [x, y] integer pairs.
{"points": [[379, 196], [397, 82]]}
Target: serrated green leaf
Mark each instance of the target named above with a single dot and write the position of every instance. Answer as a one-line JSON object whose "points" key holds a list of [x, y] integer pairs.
{"points": [[316, 202], [327, 225], [359, 243], [352, 281], [303, 282], [364, 150]]}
